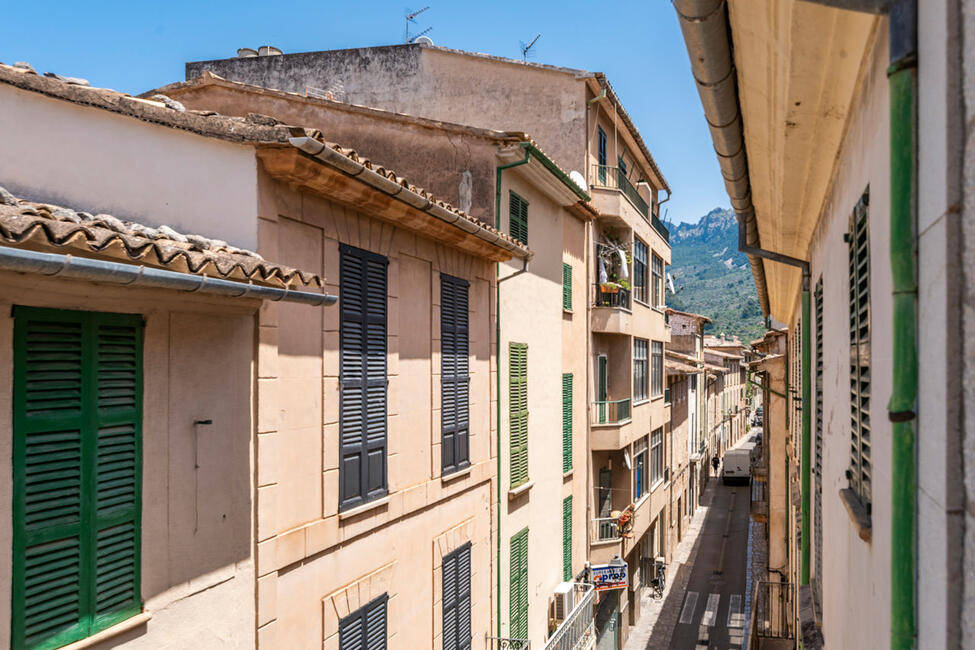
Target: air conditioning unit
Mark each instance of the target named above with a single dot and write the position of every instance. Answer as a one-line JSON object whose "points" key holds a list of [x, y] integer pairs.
{"points": [[564, 600]]}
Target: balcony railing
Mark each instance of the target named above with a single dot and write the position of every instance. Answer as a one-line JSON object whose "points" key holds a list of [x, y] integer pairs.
{"points": [[616, 412], [659, 226], [606, 529], [577, 630], [613, 177], [619, 298], [501, 643], [772, 612]]}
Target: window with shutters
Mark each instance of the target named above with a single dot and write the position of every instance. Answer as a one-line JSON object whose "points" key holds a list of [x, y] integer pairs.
{"points": [[567, 539], [566, 422], [365, 628], [858, 241], [601, 154], [77, 474], [457, 599], [518, 587], [818, 461], [657, 369], [656, 456], [566, 287], [518, 217], [657, 271], [518, 412], [454, 374], [640, 369], [362, 376], [640, 253]]}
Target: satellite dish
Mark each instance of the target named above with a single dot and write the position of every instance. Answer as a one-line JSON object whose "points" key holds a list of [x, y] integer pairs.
{"points": [[578, 179], [424, 40]]}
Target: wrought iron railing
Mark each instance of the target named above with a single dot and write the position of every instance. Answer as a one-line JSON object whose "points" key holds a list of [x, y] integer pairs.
{"points": [[772, 612], [611, 297], [606, 529], [577, 629], [659, 226], [615, 412], [615, 178]]}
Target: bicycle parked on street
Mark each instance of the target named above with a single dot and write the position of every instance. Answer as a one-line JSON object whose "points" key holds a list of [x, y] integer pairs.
{"points": [[659, 581]]}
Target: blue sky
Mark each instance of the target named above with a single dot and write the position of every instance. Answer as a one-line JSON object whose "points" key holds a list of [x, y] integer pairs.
{"points": [[135, 46]]}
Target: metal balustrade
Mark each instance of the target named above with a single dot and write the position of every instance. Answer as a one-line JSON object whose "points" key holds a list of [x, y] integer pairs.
{"points": [[606, 529], [577, 631], [615, 412]]}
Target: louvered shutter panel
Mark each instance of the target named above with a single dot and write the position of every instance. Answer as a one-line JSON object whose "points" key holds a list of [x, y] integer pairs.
{"points": [[518, 412], [518, 217], [77, 474], [567, 539], [455, 373], [362, 409], [859, 260], [365, 628], [457, 599], [566, 286], [566, 422], [518, 587], [450, 602]]}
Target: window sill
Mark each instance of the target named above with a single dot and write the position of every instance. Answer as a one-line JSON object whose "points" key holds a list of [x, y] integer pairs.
{"points": [[112, 632], [641, 302], [514, 493], [365, 507], [568, 475], [459, 473], [654, 487], [858, 514], [566, 311], [658, 397]]}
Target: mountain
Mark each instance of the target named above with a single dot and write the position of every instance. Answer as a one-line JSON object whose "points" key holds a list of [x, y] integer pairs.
{"points": [[712, 278]]}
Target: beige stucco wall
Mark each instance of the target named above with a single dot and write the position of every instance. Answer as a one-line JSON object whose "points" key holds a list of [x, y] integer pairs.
{"points": [[311, 561], [197, 549], [101, 162], [855, 571]]}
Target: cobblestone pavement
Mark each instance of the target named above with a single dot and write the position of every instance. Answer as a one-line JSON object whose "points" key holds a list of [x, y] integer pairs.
{"points": [[658, 617]]}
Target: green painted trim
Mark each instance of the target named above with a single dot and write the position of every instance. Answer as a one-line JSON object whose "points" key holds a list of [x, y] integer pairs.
{"points": [[806, 452], [903, 399], [550, 165]]}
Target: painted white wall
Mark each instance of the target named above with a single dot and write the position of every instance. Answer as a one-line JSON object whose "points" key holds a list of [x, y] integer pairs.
{"points": [[101, 162]]}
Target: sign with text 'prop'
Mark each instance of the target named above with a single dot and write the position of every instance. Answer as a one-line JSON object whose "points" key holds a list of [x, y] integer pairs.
{"points": [[609, 576]]}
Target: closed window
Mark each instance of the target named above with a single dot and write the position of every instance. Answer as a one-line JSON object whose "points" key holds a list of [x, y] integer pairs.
{"points": [[640, 378], [657, 369], [454, 374], [457, 599], [567, 539], [601, 154], [658, 281], [518, 587], [363, 384], [567, 287], [518, 217], [365, 628], [859, 295], [641, 468], [518, 412], [640, 253], [656, 455], [77, 474], [566, 422]]}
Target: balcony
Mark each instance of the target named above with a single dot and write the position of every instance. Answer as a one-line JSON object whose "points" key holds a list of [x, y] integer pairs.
{"points": [[611, 310], [612, 178], [606, 541], [610, 425], [772, 615], [577, 631]]}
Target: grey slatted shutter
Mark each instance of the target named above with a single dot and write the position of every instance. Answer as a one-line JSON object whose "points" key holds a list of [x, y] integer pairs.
{"points": [[859, 260], [77, 474], [457, 599], [454, 374], [363, 383], [365, 628]]}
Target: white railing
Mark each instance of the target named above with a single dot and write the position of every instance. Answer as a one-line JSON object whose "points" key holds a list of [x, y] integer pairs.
{"points": [[578, 630], [606, 529]]}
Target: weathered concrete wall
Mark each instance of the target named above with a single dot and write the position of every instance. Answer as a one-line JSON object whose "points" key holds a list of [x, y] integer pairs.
{"points": [[314, 565], [441, 160], [104, 163], [197, 564]]}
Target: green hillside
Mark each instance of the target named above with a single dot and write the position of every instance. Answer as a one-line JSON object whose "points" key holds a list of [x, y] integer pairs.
{"points": [[712, 278]]}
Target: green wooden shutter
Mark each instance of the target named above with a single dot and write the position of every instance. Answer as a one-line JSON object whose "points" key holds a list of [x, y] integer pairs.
{"points": [[77, 474], [518, 412], [567, 286], [566, 422], [518, 217], [567, 538], [518, 586]]}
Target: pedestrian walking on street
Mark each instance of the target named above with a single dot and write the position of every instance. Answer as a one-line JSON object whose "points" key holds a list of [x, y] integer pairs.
{"points": [[714, 465]]}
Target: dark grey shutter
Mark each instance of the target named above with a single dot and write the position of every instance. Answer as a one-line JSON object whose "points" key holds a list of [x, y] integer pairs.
{"points": [[365, 628], [454, 373], [457, 599], [362, 407]]}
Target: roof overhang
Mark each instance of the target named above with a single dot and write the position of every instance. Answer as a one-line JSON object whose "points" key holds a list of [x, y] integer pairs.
{"points": [[798, 66], [542, 172]]}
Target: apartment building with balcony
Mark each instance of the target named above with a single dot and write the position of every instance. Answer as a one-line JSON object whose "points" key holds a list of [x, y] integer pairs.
{"points": [[734, 355], [846, 142], [505, 179]]}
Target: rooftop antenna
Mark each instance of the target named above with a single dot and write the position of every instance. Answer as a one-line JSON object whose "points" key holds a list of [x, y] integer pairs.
{"points": [[411, 18], [422, 37], [526, 48]]}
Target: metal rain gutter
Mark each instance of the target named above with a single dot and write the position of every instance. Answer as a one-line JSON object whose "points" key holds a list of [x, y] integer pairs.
{"points": [[92, 270], [346, 165]]}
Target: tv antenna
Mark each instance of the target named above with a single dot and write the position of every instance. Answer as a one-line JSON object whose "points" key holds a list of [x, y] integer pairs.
{"points": [[526, 48], [411, 18]]}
